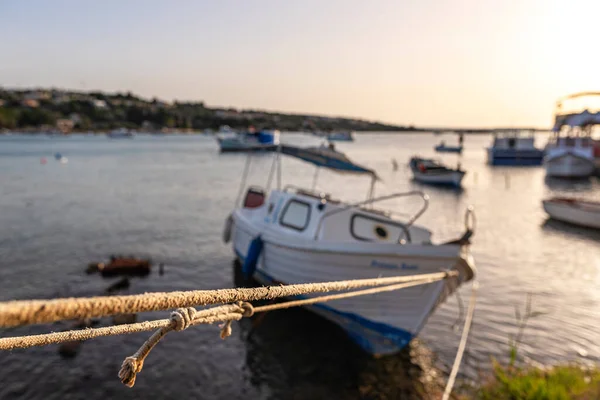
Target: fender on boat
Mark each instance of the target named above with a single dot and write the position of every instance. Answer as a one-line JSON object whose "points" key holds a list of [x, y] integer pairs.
{"points": [[227, 229], [254, 250]]}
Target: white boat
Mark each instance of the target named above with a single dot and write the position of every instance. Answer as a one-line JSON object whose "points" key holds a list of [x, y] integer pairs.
{"points": [[432, 172], [578, 212], [344, 136], [248, 141], [570, 151], [300, 236], [120, 133]]}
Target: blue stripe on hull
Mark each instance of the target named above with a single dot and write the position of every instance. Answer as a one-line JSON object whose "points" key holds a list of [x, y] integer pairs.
{"points": [[517, 161], [373, 337], [516, 157]]}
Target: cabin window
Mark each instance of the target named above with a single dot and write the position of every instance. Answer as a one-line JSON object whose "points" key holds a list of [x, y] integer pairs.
{"points": [[367, 228], [296, 215]]}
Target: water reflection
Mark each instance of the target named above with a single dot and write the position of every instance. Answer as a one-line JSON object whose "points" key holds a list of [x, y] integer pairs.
{"points": [[578, 185], [297, 354], [562, 228]]}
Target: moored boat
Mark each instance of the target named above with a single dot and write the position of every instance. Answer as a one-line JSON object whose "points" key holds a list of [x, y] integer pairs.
{"points": [[443, 148], [120, 133], [432, 172], [513, 148], [250, 140], [574, 211], [342, 136], [297, 235], [570, 151]]}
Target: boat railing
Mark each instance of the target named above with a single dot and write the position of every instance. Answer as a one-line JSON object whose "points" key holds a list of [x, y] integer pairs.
{"points": [[403, 226]]}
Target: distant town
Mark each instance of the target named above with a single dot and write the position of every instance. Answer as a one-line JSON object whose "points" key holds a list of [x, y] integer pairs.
{"points": [[68, 111]]}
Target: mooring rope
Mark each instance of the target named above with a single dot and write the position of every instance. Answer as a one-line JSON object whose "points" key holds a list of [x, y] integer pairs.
{"points": [[463, 342], [27, 312]]}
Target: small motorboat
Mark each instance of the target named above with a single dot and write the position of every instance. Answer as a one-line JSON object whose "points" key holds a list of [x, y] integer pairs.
{"points": [[442, 148], [512, 148], [120, 133], [248, 141], [345, 136], [571, 150], [579, 212], [430, 171], [297, 235], [60, 158]]}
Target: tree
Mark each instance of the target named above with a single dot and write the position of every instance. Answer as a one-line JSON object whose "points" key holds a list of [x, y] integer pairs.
{"points": [[8, 118]]}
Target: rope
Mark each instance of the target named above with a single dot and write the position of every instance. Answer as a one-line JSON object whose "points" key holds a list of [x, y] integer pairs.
{"points": [[184, 317], [463, 342], [208, 316], [27, 312], [133, 365]]}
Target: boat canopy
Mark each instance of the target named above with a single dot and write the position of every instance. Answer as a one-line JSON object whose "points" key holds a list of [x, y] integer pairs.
{"points": [[582, 119], [327, 158]]}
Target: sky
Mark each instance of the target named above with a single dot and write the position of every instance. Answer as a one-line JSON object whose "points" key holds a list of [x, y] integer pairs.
{"points": [[433, 63]]}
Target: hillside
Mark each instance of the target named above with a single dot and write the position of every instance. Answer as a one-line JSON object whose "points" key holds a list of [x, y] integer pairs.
{"points": [[71, 111]]}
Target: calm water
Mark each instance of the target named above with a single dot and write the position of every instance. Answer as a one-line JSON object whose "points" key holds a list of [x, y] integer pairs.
{"points": [[167, 197]]}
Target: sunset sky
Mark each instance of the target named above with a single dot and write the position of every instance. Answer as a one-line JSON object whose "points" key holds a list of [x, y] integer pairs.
{"points": [[461, 63]]}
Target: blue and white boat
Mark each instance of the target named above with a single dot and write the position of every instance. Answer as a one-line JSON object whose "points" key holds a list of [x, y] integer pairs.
{"points": [[250, 140], [298, 235], [343, 136], [513, 148], [442, 148]]}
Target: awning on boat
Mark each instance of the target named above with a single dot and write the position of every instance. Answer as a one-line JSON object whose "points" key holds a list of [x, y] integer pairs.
{"points": [[326, 158], [584, 118]]}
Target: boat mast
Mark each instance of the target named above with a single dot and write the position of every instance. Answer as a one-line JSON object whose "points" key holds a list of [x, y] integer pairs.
{"points": [[243, 182], [315, 177]]}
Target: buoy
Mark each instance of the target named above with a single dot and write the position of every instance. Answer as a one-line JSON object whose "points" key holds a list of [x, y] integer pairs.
{"points": [[251, 260]]}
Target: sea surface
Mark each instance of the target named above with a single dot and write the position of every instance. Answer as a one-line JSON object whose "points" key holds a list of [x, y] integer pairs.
{"points": [[166, 197]]}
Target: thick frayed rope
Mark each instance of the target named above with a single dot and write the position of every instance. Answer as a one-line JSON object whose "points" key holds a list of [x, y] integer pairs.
{"points": [[27, 312]]}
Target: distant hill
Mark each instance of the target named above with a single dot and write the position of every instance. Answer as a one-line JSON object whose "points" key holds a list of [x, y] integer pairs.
{"points": [[65, 110]]}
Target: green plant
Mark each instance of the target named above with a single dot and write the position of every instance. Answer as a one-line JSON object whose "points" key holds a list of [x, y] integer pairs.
{"points": [[522, 319]]}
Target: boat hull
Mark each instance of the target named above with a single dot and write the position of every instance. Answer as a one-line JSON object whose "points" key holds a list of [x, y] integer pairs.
{"points": [[376, 322], [574, 213], [235, 145], [453, 178], [569, 165], [340, 137], [515, 157], [441, 149]]}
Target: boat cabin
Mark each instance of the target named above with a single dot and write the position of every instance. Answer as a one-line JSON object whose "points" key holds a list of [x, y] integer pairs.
{"points": [[317, 216]]}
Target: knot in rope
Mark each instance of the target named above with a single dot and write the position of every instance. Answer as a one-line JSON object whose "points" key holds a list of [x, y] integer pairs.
{"points": [[248, 309], [129, 369], [182, 318]]}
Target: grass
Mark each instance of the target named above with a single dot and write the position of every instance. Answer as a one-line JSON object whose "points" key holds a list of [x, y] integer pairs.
{"points": [[513, 382], [558, 383]]}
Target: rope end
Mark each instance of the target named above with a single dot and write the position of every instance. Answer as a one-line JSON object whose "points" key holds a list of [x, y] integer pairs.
{"points": [[129, 369], [226, 330]]}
